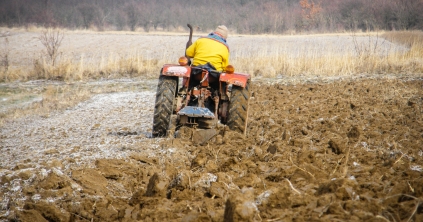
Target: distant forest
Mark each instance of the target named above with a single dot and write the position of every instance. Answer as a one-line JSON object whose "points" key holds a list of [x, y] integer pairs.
{"points": [[240, 16]]}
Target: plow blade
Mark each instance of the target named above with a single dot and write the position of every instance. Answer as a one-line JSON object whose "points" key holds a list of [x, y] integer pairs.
{"points": [[202, 136], [192, 111]]}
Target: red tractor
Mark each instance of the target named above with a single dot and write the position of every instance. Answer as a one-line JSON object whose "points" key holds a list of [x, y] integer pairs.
{"points": [[204, 98]]}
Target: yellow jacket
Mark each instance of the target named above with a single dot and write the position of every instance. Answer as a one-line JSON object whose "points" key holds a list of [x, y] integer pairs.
{"points": [[208, 50]]}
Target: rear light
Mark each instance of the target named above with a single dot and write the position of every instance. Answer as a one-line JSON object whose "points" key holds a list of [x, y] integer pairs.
{"points": [[183, 61], [229, 69]]}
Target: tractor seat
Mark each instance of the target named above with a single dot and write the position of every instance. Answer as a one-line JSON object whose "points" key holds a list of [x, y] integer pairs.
{"points": [[209, 67]]}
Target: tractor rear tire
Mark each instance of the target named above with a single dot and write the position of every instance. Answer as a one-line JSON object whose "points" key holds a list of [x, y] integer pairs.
{"points": [[163, 108], [238, 108]]}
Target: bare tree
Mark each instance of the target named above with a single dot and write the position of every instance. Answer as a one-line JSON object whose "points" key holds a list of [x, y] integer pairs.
{"points": [[88, 13], [133, 14], [250, 16], [4, 58], [408, 13], [101, 19], [51, 40]]}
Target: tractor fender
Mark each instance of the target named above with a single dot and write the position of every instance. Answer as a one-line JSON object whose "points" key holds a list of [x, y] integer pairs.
{"points": [[237, 79], [176, 70]]}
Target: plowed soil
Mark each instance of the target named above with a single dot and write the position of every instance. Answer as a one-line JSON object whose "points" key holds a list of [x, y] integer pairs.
{"points": [[345, 150]]}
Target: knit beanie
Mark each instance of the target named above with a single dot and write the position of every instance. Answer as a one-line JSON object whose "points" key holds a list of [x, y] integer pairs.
{"points": [[222, 30]]}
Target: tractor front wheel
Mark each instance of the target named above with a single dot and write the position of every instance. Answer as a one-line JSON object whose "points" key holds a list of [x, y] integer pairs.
{"points": [[238, 108], [163, 107]]}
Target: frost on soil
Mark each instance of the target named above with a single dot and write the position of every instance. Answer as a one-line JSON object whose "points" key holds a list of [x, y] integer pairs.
{"points": [[333, 150]]}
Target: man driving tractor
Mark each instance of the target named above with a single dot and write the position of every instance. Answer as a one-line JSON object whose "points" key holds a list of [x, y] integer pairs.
{"points": [[211, 90], [212, 50]]}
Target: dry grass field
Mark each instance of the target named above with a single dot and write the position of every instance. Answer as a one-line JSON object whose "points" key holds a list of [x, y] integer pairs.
{"points": [[86, 55], [335, 132]]}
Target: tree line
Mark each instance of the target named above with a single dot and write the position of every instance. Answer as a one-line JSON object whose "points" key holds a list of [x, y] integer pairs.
{"points": [[241, 16]]}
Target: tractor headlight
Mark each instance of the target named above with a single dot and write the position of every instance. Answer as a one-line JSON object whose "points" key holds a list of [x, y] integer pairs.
{"points": [[229, 69], [183, 61]]}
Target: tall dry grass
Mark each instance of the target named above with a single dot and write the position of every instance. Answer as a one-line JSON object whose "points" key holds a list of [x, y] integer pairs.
{"points": [[364, 58], [84, 68]]}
